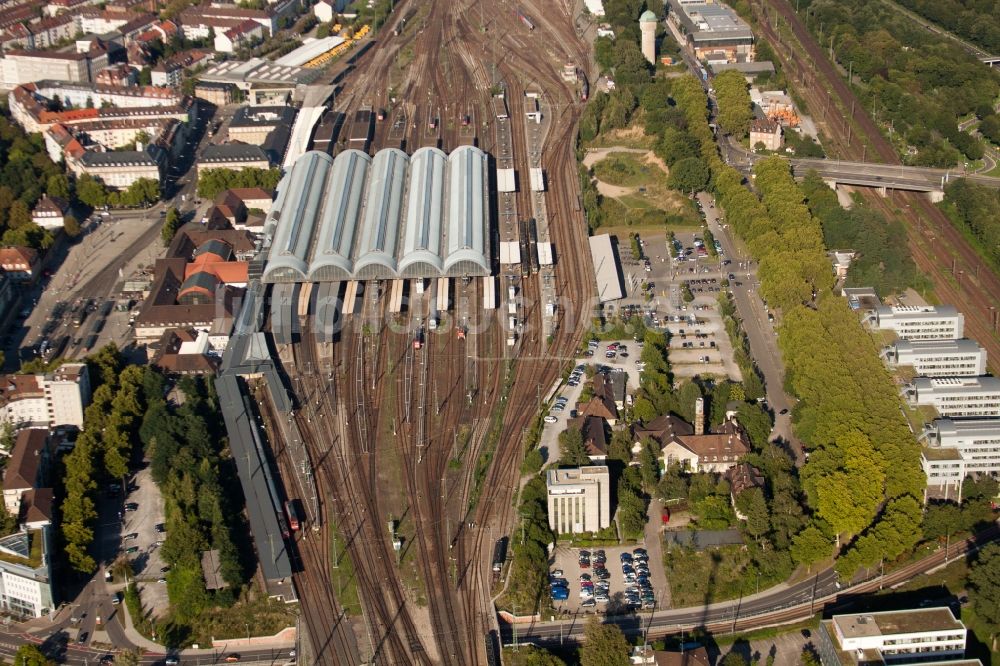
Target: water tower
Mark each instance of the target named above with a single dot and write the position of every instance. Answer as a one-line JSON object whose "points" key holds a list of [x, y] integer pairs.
{"points": [[647, 24]]}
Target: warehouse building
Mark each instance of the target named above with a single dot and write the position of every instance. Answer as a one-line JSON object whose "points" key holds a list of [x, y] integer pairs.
{"points": [[938, 358], [355, 217], [956, 449], [919, 322], [959, 397], [714, 31]]}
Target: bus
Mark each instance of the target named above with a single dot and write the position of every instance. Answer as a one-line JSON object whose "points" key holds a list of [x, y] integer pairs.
{"points": [[294, 517]]}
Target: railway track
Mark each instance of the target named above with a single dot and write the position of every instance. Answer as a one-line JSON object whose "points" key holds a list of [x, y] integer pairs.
{"points": [[940, 250]]}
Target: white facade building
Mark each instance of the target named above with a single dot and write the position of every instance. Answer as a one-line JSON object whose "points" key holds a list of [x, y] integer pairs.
{"points": [[920, 322], [956, 449], [960, 397], [579, 499], [25, 579], [55, 399], [938, 358], [926, 634]]}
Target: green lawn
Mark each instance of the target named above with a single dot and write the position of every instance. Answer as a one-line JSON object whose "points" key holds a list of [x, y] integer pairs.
{"points": [[627, 170]]}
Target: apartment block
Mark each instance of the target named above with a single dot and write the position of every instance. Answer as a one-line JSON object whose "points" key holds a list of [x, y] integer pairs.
{"points": [[54, 399], [18, 67], [956, 449], [891, 637], [938, 358], [958, 397], [579, 499], [919, 322]]}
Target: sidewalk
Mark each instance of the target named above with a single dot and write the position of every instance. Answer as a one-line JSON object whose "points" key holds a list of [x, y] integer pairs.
{"points": [[653, 543]]}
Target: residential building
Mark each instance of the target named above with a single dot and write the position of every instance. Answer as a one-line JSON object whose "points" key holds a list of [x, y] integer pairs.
{"points": [[956, 397], [25, 573], [119, 75], [713, 31], [44, 34], [766, 132], [54, 399], [185, 352], [19, 263], [234, 156], [938, 358], [169, 72], [919, 322], [325, 10], [27, 467], [956, 449], [18, 67], [647, 656], [242, 35], [595, 439], [891, 637], [579, 499], [691, 447], [741, 478], [120, 169], [50, 212], [99, 22]]}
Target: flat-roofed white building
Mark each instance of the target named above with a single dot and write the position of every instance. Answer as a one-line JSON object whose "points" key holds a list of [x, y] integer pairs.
{"points": [[920, 322], [902, 637], [938, 358], [960, 397], [579, 499], [956, 449]]}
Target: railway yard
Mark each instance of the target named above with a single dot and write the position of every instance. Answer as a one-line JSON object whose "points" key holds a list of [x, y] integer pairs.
{"points": [[411, 414], [409, 393]]}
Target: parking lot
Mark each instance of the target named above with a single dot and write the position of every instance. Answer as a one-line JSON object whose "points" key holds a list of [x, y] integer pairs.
{"points": [[609, 592], [139, 532], [655, 283]]}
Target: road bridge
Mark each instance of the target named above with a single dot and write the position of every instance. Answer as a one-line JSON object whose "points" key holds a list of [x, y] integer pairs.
{"points": [[868, 174]]}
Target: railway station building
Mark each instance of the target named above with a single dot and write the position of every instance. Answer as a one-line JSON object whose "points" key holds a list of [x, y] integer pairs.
{"points": [[391, 216]]}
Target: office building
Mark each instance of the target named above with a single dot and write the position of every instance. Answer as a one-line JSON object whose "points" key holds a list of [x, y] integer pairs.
{"points": [[891, 637], [18, 67], [25, 575], [958, 397], [579, 499], [919, 322], [956, 449], [938, 358]]}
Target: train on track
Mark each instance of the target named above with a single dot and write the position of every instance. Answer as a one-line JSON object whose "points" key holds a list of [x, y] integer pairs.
{"points": [[524, 19], [499, 555], [294, 515]]}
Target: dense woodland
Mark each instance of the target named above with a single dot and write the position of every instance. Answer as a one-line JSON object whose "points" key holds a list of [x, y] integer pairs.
{"points": [[26, 173], [974, 20], [976, 209], [213, 181], [916, 84]]}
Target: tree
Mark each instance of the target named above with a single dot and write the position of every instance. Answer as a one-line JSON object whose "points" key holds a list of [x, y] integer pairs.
{"points": [[733, 659], [29, 655], [171, 223], [605, 645], [751, 504], [19, 215], [984, 580], [91, 191], [689, 175], [130, 657], [810, 545], [71, 226], [571, 450], [58, 186]]}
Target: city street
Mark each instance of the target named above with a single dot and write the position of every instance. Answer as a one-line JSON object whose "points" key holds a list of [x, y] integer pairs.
{"points": [[760, 332]]}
